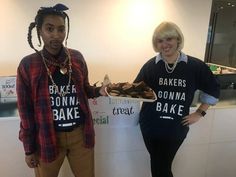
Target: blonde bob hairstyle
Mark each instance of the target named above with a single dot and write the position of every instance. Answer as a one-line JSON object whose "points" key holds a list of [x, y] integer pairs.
{"points": [[167, 30]]}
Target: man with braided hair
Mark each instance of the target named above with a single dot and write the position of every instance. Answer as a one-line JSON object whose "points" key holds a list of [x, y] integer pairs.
{"points": [[53, 91]]}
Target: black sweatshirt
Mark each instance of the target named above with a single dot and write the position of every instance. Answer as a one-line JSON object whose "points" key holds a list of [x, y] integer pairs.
{"points": [[175, 91]]}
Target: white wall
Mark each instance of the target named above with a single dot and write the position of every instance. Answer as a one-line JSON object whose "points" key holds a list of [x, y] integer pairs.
{"points": [[114, 35]]}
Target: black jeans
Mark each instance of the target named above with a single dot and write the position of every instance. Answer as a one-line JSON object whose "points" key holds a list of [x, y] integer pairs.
{"points": [[162, 153]]}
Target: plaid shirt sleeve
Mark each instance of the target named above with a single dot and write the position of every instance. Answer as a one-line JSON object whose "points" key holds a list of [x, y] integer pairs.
{"points": [[25, 108], [80, 64], [92, 91]]}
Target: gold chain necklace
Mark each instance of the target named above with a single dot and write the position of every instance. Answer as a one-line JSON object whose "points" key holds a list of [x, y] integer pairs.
{"points": [[63, 69], [62, 93]]}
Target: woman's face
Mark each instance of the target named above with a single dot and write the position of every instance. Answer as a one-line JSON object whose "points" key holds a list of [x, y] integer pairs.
{"points": [[53, 33], [168, 46]]}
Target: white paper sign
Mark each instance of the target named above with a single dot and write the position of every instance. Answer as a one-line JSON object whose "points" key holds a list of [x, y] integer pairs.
{"points": [[114, 112], [8, 107], [7, 89]]}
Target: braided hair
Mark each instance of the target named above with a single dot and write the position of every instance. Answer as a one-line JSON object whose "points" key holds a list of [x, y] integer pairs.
{"points": [[58, 10]]}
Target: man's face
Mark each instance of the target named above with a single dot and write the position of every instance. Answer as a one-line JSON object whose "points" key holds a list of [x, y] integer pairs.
{"points": [[53, 33]]}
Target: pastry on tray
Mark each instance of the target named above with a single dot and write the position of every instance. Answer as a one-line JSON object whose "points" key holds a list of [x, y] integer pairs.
{"points": [[131, 90]]}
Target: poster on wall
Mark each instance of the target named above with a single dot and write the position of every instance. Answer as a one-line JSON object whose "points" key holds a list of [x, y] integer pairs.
{"points": [[8, 106], [106, 112]]}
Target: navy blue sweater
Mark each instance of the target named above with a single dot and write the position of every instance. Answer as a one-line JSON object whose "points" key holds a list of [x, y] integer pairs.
{"points": [[175, 91]]}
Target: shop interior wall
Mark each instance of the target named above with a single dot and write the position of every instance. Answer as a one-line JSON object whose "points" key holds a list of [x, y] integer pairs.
{"points": [[113, 35]]}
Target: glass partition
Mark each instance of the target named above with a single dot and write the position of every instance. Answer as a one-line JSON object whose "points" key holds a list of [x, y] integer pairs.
{"points": [[221, 43]]}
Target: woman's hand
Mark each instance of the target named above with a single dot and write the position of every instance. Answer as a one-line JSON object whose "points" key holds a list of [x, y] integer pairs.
{"points": [[31, 160], [191, 119]]}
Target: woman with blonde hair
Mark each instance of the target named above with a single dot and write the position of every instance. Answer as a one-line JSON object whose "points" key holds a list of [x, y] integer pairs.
{"points": [[174, 77]]}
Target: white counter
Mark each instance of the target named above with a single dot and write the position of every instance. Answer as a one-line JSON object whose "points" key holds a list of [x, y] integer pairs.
{"points": [[209, 150]]}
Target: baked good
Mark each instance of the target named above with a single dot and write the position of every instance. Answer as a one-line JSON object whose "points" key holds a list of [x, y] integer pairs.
{"points": [[133, 90]]}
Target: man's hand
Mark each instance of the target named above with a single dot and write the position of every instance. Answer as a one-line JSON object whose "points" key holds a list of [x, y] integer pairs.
{"points": [[31, 161]]}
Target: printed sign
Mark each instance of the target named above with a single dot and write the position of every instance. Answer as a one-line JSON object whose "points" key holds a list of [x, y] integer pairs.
{"points": [[8, 106], [7, 89], [114, 112]]}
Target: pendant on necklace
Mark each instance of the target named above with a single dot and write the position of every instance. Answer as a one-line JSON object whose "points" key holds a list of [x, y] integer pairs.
{"points": [[63, 70]]}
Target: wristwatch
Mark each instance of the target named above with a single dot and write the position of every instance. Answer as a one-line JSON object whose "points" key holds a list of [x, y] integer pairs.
{"points": [[201, 112]]}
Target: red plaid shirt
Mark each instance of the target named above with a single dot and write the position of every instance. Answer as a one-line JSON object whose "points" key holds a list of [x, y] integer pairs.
{"points": [[36, 127]]}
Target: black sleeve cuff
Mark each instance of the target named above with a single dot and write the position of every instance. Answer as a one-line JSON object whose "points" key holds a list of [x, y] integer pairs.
{"points": [[28, 153], [97, 93]]}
